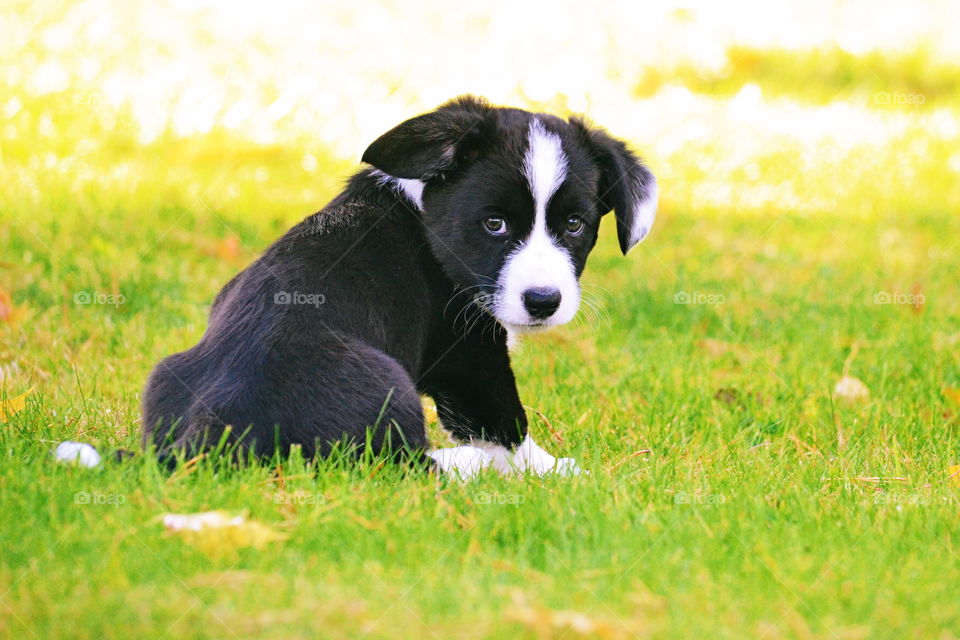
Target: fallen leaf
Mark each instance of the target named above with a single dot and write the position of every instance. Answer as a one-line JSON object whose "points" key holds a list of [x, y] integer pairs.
{"points": [[217, 533], [727, 395], [6, 306], [954, 472], [10, 406], [851, 388], [226, 249], [430, 410], [953, 395], [9, 312]]}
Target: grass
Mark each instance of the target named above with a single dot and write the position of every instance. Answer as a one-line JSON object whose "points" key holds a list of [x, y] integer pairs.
{"points": [[731, 492]]}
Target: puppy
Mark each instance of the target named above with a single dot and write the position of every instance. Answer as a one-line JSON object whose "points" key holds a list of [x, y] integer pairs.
{"points": [[471, 224]]}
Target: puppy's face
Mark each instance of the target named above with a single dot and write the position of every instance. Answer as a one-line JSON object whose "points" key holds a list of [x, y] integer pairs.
{"points": [[512, 201]]}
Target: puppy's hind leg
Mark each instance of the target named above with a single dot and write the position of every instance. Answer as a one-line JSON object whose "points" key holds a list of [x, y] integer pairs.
{"points": [[338, 388]]}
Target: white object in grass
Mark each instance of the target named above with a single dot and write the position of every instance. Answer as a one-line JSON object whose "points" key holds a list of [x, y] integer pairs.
{"points": [[851, 388], [201, 521], [79, 453]]}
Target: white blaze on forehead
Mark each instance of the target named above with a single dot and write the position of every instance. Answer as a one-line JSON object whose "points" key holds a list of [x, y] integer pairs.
{"points": [[539, 262], [545, 167]]}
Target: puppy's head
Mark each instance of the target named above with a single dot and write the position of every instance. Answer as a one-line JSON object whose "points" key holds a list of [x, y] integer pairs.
{"points": [[512, 200]]}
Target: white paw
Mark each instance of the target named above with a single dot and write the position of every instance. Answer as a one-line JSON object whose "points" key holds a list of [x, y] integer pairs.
{"points": [[567, 467], [528, 457], [464, 462]]}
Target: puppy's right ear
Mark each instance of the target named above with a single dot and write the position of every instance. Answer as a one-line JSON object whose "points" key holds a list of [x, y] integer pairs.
{"points": [[626, 185], [435, 142]]}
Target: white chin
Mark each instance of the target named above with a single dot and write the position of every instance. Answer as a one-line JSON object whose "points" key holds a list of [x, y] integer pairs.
{"points": [[528, 327]]}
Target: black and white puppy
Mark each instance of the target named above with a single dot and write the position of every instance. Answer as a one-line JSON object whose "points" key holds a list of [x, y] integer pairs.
{"points": [[472, 223]]}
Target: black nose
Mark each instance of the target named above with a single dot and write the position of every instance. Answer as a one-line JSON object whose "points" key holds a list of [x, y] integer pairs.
{"points": [[541, 302]]}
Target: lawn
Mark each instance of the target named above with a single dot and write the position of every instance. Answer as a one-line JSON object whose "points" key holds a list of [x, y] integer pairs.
{"points": [[733, 490]]}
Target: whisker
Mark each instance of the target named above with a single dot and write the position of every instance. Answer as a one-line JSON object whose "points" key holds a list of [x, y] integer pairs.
{"points": [[458, 291]]}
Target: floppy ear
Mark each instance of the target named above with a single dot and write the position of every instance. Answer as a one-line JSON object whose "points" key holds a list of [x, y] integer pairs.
{"points": [[433, 143], [626, 186]]}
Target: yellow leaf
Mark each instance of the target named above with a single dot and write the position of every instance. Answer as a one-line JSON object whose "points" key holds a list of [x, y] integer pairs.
{"points": [[9, 313], [227, 249], [217, 533], [10, 406], [954, 472], [953, 395], [430, 411], [6, 306]]}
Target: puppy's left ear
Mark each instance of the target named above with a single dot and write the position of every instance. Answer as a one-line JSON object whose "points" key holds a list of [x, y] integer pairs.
{"points": [[433, 143], [626, 186]]}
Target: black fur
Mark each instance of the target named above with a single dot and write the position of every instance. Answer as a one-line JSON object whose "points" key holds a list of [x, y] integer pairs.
{"points": [[342, 323]]}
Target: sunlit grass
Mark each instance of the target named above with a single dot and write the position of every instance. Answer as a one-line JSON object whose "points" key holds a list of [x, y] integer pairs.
{"points": [[732, 492], [906, 80]]}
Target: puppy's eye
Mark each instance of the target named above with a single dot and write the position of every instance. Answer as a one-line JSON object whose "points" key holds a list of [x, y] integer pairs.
{"points": [[574, 225], [495, 225]]}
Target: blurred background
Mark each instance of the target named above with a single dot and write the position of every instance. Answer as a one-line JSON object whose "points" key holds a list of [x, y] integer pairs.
{"points": [[773, 97]]}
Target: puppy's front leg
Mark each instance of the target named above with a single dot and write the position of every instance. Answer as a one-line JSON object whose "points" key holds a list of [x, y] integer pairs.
{"points": [[479, 405]]}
